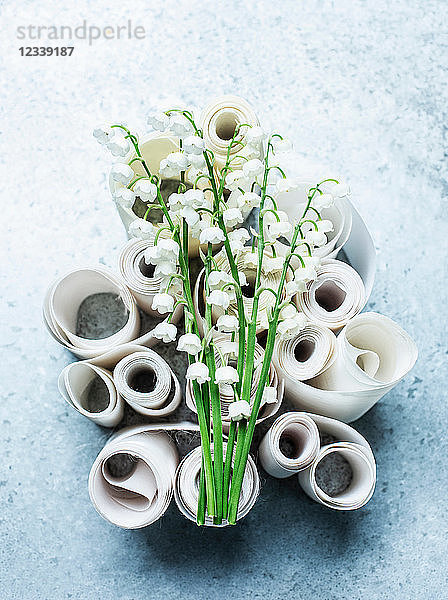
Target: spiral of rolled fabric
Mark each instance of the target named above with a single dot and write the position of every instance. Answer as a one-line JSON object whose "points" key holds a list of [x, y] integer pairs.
{"points": [[147, 384], [186, 490], [141, 378], [290, 445], [65, 296], [131, 480], [219, 120], [268, 409], [373, 354], [334, 297], [76, 383], [307, 355], [346, 443], [139, 276]]}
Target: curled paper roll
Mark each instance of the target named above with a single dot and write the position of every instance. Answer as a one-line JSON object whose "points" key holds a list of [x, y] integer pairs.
{"points": [[131, 480], [141, 378], [226, 392], [334, 297], [373, 354], [186, 490], [299, 434], [147, 383], [77, 380], [308, 354], [66, 295], [218, 122], [347, 444], [139, 276]]}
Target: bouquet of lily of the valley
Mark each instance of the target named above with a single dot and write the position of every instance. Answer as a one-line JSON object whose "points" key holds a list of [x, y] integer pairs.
{"points": [[253, 276]]}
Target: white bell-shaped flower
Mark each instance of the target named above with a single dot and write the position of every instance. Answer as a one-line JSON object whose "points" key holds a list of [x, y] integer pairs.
{"points": [[254, 135], [226, 375], [122, 173], [253, 168], [305, 274], [163, 303], [218, 298], [239, 410], [125, 197], [269, 395], [102, 133], [212, 235], [146, 190], [317, 238], [199, 372], [158, 121], [140, 228], [117, 144], [166, 332], [227, 324], [180, 125], [193, 144], [322, 201], [190, 343], [232, 217]]}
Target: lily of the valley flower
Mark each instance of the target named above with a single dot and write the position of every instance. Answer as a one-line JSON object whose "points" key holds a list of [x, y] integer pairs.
{"points": [[180, 126], [158, 121], [218, 298], [254, 136], [117, 144], [289, 328], [249, 200], [212, 235], [227, 323], [237, 238], [294, 287], [166, 332], [198, 372], [278, 229], [235, 179], [217, 279], [163, 303], [317, 238], [226, 375], [125, 197], [322, 201], [288, 312], [253, 168], [232, 217], [140, 228], [269, 395], [102, 134], [273, 265], [305, 274], [194, 198], [324, 226], [286, 185], [190, 343], [193, 144], [122, 173], [146, 190], [281, 146], [340, 190], [239, 410]]}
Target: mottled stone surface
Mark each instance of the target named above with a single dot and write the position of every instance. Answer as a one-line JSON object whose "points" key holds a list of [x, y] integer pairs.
{"points": [[357, 85]]}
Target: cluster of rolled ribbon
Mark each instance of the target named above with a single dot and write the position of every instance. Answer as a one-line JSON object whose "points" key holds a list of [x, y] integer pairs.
{"points": [[332, 372]]}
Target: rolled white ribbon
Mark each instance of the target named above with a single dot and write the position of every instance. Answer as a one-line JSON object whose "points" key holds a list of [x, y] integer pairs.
{"points": [[127, 361], [65, 296], [186, 488], [354, 448], [62, 302], [137, 276], [165, 396], [218, 122], [334, 297], [307, 355], [373, 354], [142, 494], [300, 431], [226, 391]]}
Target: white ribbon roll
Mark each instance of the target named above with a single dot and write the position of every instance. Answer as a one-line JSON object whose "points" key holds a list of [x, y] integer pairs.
{"points": [[373, 354], [346, 443], [62, 303], [307, 355], [334, 297], [296, 432], [139, 276], [226, 392], [186, 488], [147, 383], [131, 480], [129, 362], [218, 122]]}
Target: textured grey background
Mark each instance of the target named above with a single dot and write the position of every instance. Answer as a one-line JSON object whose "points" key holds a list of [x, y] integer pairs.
{"points": [[358, 85]]}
